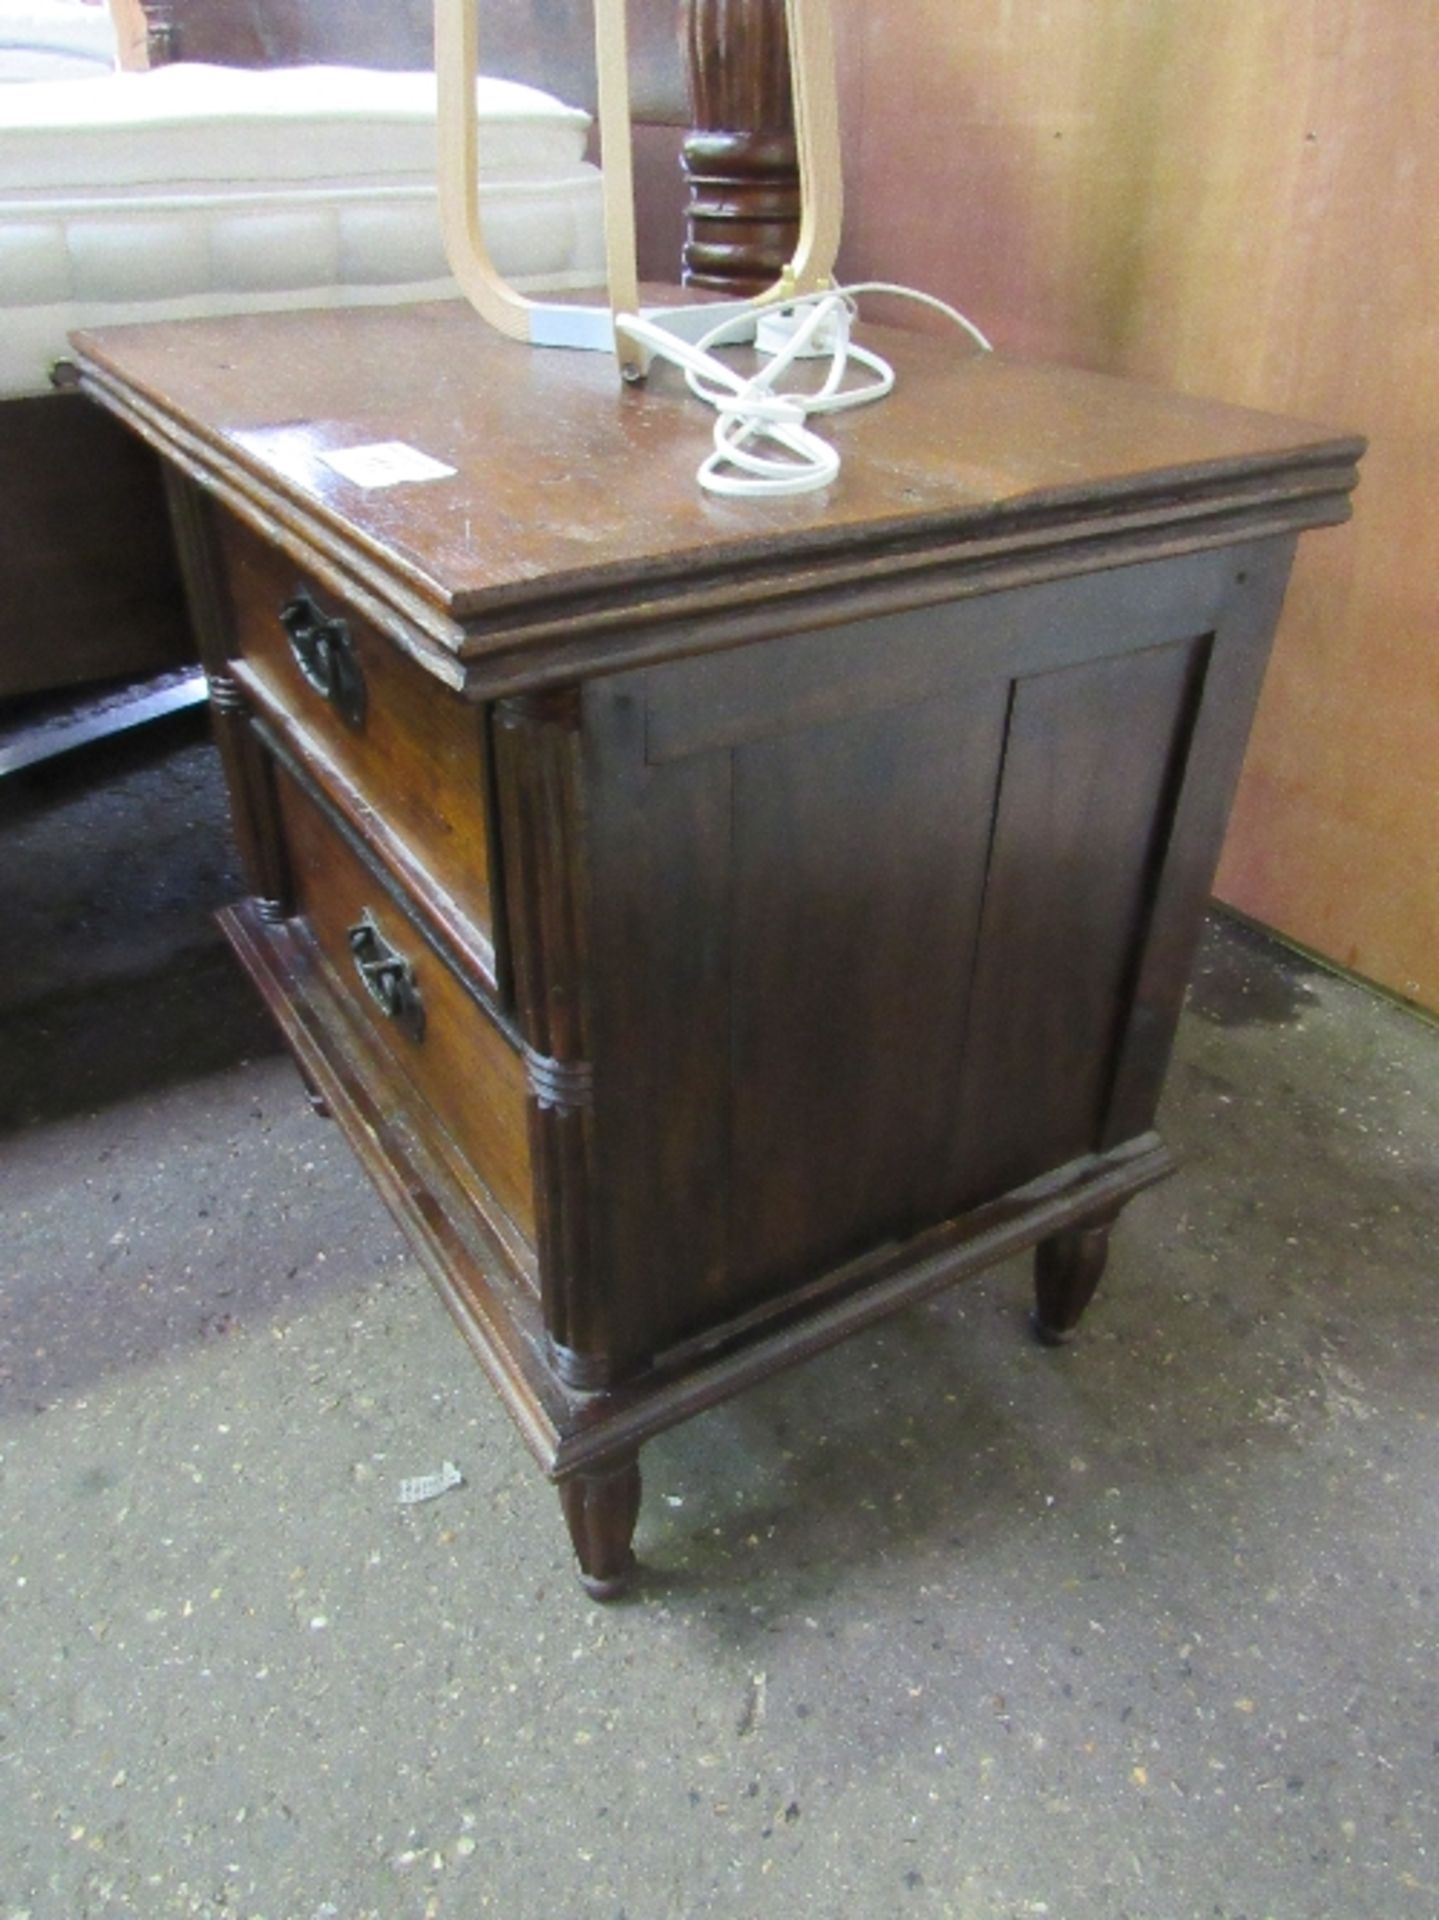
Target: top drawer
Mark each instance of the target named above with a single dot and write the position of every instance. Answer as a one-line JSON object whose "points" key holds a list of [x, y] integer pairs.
{"points": [[403, 756]]}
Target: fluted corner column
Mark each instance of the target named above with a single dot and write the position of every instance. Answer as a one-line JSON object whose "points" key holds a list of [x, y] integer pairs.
{"points": [[739, 157]]}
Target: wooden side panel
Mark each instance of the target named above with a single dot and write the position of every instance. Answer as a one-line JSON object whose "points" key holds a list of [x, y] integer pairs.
{"points": [[785, 933], [1234, 658], [1090, 771], [858, 869], [893, 918], [660, 867]]}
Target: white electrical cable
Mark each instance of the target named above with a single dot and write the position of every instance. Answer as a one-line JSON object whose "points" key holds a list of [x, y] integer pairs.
{"points": [[751, 409]]}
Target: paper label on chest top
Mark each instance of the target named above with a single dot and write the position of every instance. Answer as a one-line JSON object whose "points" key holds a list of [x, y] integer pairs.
{"points": [[385, 463]]}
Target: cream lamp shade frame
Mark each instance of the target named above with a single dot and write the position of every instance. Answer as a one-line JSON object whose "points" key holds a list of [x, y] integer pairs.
{"points": [[543, 323]]}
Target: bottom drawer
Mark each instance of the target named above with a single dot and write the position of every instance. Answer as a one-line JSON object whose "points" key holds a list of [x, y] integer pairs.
{"points": [[445, 1047]]}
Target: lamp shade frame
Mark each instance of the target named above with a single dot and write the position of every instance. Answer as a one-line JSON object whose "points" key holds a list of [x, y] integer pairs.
{"points": [[543, 323]]}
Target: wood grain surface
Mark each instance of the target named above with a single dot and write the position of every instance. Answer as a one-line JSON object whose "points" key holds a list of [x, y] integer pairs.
{"points": [[418, 756], [463, 1068], [870, 947], [572, 495], [740, 154], [1236, 198]]}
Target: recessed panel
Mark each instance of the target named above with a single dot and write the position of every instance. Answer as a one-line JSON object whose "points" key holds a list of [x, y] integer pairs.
{"points": [[859, 856], [1091, 769]]}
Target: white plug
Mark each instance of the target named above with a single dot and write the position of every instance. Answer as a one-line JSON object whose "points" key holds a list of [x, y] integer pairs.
{"points": [[778, 325]]}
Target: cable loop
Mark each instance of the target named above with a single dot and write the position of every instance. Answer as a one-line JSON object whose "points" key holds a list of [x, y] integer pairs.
{"points": [[749, 409]]}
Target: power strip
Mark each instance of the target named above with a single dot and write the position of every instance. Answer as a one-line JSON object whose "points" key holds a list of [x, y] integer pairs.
{"points": [[777, 327]]}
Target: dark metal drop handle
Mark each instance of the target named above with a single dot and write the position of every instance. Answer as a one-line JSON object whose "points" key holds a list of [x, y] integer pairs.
{"points": [[388, 976], [325, 654]]}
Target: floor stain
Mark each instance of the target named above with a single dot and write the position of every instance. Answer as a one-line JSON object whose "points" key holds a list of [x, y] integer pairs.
{"points": [[1242, 978]]}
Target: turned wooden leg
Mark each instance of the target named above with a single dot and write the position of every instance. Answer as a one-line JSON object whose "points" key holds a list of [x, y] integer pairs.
{"points": [[601, 1507], [1067, 1267]]}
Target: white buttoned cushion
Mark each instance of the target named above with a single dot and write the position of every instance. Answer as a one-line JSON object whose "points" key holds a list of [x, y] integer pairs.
{"points": [[203, 190], [55, 40]]}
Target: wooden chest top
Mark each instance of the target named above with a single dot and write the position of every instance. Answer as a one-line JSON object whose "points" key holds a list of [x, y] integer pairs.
{"points": [[574, 503]]}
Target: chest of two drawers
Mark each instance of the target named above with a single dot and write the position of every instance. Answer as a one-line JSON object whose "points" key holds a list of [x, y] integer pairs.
{"points": [[369, 812], [791, 917]]}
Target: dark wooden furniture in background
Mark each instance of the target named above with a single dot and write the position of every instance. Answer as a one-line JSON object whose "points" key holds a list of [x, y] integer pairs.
{"points": [[89, 588], [88, 562], [716, 926]]}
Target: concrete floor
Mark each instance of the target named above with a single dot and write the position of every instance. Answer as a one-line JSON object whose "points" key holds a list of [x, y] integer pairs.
{"points": [[943, 1624]]}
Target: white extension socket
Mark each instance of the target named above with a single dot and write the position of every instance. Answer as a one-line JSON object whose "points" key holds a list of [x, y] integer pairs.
{"points": [[777, 326]]}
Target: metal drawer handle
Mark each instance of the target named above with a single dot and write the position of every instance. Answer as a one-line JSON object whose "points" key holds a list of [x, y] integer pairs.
{"points": [[388, 976], [325, 654]]}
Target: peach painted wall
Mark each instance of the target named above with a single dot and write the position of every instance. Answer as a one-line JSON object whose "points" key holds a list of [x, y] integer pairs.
{"points": [[1238, 198]]}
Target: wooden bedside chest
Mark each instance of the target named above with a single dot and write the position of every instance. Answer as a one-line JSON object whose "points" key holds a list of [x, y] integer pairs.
{"points": [[717, 925]]}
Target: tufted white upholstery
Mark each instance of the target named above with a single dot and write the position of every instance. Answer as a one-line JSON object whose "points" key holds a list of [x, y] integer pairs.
{"points": [[55, 39], [204, 190]]}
